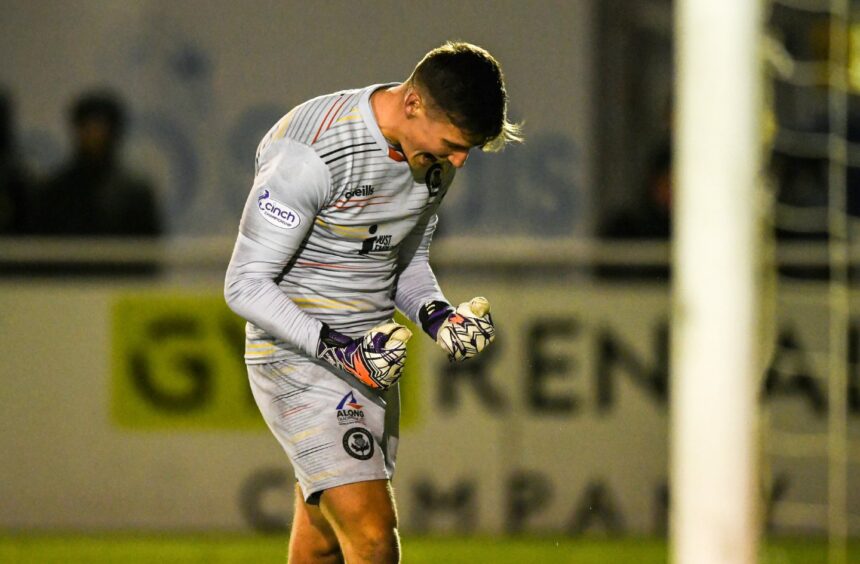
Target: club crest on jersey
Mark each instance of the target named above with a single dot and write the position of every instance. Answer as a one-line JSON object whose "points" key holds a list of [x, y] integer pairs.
{"points": [[433, 179], [277, 213], [349, 411]]}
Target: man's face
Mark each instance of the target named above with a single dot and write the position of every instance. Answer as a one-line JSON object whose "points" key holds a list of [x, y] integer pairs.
{"points": [[95, 138], [430, 137]]}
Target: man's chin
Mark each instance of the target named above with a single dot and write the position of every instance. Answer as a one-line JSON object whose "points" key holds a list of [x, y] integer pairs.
{"points": [[420, 161]]}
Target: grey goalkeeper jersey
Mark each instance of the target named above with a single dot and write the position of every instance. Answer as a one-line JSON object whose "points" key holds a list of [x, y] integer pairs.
{"points": [[336, 229]]}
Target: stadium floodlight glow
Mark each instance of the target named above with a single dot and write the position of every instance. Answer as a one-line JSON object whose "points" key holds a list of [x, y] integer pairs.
{"points": [[715, 352]]}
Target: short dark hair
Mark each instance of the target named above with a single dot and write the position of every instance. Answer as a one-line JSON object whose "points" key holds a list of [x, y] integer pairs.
{"points": [[466, 83]]}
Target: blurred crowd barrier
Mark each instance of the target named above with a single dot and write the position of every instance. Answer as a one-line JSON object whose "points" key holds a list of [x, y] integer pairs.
{"points": [[125, 402]]}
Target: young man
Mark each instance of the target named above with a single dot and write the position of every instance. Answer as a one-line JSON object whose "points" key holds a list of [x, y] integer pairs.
{"points": [[335, 235]]}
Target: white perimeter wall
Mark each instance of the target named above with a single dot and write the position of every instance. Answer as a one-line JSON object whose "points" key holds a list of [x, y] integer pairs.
{"points": [[563, 428]]}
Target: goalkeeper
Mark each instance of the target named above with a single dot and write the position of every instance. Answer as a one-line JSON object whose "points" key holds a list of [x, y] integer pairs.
{"points": [[334, 236]]}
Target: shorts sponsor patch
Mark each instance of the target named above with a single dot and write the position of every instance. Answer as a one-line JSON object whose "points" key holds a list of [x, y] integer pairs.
{"points": [[277, 213], [358, 443], [349, 411]]}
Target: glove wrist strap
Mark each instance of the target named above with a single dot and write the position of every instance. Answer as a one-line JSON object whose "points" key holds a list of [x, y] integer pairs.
{"points": [[432, 315], [331, 338]]}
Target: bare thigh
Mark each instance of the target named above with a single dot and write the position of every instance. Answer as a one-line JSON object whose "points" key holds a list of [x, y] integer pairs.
{"points": [[364, 519], [312, 539]]}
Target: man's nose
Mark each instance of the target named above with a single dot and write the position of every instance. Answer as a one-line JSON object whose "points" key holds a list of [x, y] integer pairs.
{"points": [[458, 158]]}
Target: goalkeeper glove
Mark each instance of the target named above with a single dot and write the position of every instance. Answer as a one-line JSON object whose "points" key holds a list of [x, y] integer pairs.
{"points": [[461, 332], [376, 359]]}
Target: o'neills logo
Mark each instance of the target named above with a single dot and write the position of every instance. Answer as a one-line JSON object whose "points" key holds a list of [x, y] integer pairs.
{"points": [[276, 213], [363, 191]]}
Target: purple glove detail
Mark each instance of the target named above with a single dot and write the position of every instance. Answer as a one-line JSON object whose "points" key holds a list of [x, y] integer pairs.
{"points": [[432, 315], [367, 358]]}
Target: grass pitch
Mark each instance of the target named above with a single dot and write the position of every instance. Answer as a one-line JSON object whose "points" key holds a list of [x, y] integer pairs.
{"points": [[236, 549]]}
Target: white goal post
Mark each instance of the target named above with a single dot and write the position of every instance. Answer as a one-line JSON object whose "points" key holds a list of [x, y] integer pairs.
{"points": [[716, 285]]}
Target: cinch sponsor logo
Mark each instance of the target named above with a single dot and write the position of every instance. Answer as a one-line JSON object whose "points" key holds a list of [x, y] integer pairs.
{"points": [[277, 213], [364, 190], [348, 410]]}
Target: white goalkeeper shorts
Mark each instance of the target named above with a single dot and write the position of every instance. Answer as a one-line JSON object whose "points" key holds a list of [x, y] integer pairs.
{"points": [[333, 430]]}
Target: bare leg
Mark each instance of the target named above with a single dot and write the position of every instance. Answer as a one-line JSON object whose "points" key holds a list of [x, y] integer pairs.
{"points": [[365, 521], [312, 540]]}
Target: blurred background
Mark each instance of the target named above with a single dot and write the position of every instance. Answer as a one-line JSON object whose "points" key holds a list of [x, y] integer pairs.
{"points": [[127, 137]]}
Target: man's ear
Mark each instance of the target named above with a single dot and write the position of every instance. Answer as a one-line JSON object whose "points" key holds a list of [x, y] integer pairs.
{"points": [[412, 103]]}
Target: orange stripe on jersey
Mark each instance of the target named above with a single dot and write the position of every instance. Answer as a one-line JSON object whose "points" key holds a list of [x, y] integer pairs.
{"points": [[360, 205], [326, 265], [345, 204], [330, 120], [367, 199], [337, 111], [328, 113]]}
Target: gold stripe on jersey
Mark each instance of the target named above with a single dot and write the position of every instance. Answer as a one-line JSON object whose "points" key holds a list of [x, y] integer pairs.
{"points": [[251, 345], [352, 115], [263, 354], [260, 353], [327, 303], [281, 132], [354, 232]]}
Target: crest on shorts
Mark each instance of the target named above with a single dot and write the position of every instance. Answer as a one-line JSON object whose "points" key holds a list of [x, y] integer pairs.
{"points": [[358, 443]]}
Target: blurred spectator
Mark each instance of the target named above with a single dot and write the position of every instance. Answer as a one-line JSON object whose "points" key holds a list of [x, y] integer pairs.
{"points": [[93, 194], [646, 217], [649, 216], [801, 198], [15, 179]]}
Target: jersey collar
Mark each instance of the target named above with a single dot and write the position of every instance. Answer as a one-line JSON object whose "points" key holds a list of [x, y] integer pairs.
{"points": [[370, 121]]}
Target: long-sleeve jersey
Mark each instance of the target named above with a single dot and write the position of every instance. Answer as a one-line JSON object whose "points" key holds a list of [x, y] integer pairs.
{"points": [[336, 229]]}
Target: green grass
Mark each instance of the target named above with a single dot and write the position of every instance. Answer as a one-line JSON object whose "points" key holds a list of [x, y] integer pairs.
{"points": [[238, 549]]}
